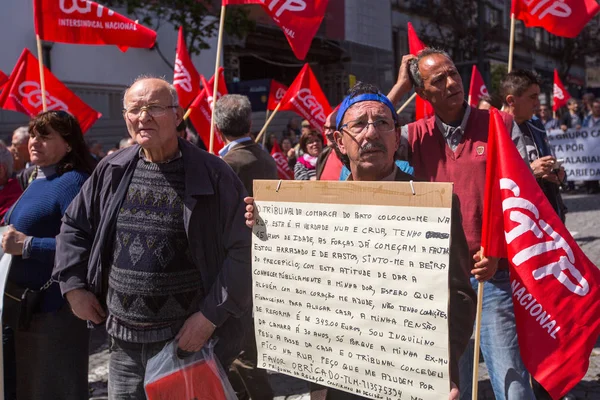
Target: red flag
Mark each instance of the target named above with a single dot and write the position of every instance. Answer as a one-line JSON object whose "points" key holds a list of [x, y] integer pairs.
{"points": [[559, 17], [186, 79], [560, 95], [555, 287], [276, 93], [477, 89], [423, 108], [23, 93], [306, 98], [299, 19], [3, 79], [283, 168], [87, 22], [201, 107]]}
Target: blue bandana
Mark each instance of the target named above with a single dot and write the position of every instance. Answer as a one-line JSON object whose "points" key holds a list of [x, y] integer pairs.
{"points": [[348, 102]]}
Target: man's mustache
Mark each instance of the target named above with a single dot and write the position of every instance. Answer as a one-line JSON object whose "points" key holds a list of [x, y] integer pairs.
{"points": [[370, 146]]}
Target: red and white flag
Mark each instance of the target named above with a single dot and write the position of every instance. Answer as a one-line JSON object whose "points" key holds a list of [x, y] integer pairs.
{"points": [[560, 17], [22, 93], [87, 22], [306, 98], [201, 110], [477, 89], [560, 95], [3, 79], [423, 108], [555, 287], [185, 79], [298, 19], [283, 168], [276, 93]]}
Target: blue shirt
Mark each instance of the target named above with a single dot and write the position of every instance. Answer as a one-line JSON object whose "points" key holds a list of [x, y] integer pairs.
{"points": [[229, 145]]}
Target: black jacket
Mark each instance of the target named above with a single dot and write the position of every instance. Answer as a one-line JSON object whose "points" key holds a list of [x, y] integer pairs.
{"points": [[214, 221]]}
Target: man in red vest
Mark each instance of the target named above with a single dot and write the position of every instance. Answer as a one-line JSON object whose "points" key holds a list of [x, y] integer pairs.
{"points": [[451, 146]]}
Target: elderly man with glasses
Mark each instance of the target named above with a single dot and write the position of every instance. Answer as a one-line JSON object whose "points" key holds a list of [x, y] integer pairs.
{"points": [[367, 131], [155, 247]]}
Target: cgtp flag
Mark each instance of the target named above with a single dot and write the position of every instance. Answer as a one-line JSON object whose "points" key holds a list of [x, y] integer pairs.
{"points": [[283, 168], [87, 22], [559, 17], [276, 93], [201, 110], [423, 108], [560, 95], [477, 89], [3, 79], [22, 93], [299, 19], [185, 79], [555, 287], [306, 98]]}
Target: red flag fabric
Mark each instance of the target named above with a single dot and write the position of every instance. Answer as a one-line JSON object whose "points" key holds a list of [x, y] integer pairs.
{"points": [[22, 93], [201, 107], [477, 89], [555, 287], [423, 108], [298, 19], [3, 79], [87, 22], [283, 168], [559, 17], [276, 93], [186, 79], [306, 98], [560, 96]]}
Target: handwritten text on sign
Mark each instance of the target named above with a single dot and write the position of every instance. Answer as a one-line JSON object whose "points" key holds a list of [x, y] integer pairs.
{"points": [[354, 296]]}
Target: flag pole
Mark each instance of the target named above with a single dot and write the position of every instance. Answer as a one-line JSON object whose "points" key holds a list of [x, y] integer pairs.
{"points": [[264, 139], [264, 128], [475, 385], [187, 113], [216, 84], [469, 101], [406, 103], [511, 45], [41, 64]]}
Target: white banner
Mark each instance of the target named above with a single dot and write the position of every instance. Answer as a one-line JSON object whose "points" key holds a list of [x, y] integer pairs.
{"points": [[580, 150], [354, 297]]}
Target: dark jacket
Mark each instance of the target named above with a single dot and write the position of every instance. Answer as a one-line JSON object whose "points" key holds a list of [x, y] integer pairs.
{"points": [[214, 222], [461, 303], [249, 161]]}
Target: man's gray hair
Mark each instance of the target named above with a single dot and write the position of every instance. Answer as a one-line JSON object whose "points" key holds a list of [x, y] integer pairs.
{"points": [[233, 115], [22, 134], [415, 74], [172, 89], [6, 159]]}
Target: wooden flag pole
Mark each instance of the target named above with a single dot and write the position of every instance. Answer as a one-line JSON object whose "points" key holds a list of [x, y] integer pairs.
{"points": [[469, 101], [264, 139], [42, 80], [187, 114], [511, 46], [406, 103], [264, 128], [216, 84], [477, 337]]}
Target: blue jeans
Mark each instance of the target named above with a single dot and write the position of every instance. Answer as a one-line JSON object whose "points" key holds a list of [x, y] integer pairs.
{"points": [[509, 378], [127, 367]]}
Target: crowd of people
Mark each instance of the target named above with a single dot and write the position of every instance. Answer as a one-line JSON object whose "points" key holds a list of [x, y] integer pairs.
{"points": [[151, 240]]}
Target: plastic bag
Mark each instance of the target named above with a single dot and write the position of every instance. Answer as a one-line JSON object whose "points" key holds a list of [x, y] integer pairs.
{"points": [[197, 377]]}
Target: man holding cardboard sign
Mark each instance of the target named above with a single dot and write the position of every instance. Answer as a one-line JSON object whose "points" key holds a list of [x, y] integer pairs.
{"points": [[369, 134]]}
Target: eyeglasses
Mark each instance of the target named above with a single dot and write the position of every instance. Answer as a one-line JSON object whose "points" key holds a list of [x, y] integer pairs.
{"points": [[153, 110], [357, 127]]}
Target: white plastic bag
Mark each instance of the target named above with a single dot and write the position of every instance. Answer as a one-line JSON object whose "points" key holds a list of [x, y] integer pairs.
{"points": [[199, 376]]}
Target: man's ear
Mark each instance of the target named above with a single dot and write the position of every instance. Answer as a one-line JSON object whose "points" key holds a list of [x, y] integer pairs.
{"points": [[510, 100], [421, 93], [179, 115], [337, 135]]}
